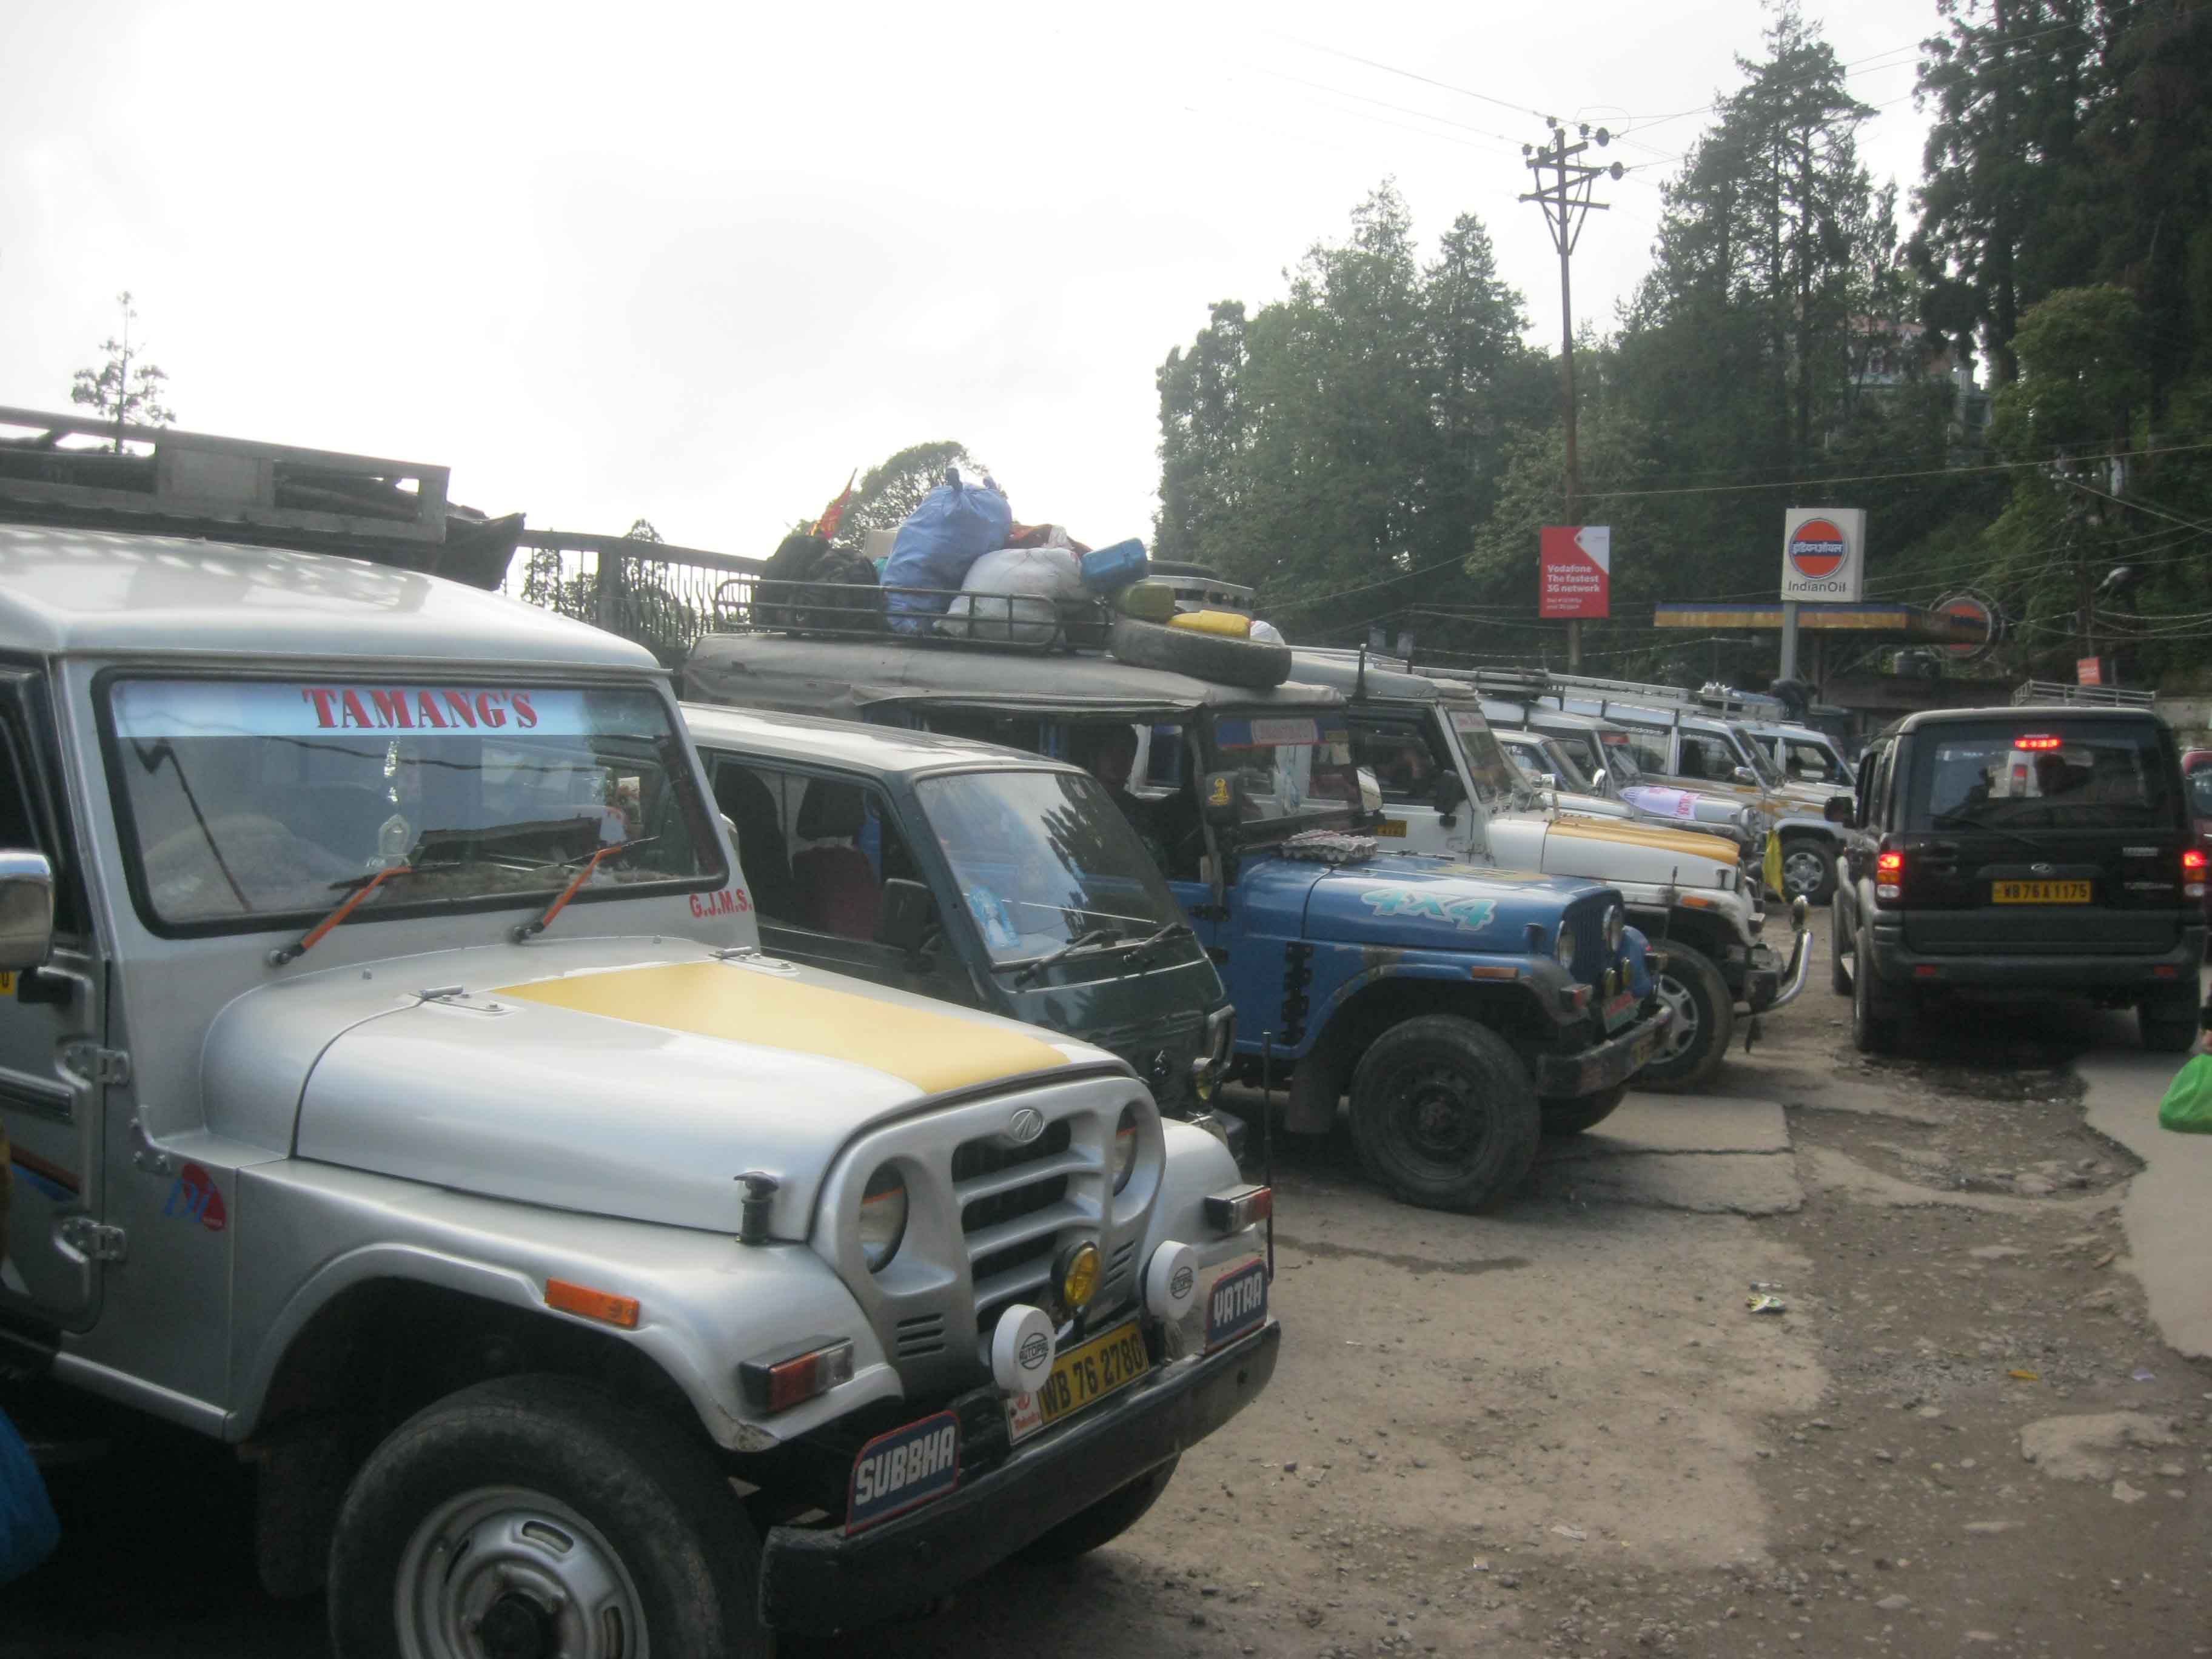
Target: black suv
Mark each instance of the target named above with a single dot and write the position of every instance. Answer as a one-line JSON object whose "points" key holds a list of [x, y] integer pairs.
{"points": [[1998, 851]]}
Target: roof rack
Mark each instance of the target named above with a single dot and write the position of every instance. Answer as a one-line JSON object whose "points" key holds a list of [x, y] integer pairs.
{"points": [[2084, 696], [160, 480], [942, 616]]}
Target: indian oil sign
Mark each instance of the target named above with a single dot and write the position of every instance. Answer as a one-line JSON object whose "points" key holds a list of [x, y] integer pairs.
{"points": [[1823, 553]]}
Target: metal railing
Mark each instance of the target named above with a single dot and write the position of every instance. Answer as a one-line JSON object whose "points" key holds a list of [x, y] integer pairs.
{"points": [[912, 616], [660, 595], [2081, 696]]}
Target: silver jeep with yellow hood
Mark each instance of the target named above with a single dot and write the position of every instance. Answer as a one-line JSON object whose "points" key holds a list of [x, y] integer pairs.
{"points": [[397, 1090]]}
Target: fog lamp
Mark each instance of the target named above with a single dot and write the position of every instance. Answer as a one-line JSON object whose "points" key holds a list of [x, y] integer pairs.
{"points": [[1076, 1272]]}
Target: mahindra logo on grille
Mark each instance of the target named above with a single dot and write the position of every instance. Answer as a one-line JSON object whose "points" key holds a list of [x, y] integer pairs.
{"points": [[1161, 1066], [1025, 1126], [2044, 869]]}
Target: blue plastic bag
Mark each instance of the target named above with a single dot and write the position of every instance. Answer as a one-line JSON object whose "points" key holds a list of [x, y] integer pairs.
{"points": [[28, 1529], [955, 525]]}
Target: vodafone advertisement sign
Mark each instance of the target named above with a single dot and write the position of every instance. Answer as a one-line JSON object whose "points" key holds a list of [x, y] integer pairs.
{"points": [[1574, 573], [1823, 553]]}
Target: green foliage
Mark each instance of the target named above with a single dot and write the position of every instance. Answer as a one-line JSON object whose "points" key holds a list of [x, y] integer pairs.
{"points": [[124, 388], [891, 490]]}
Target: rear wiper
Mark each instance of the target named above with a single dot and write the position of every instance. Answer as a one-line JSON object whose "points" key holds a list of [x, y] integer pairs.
{"points": [[362, 887], [532, 929], [1095, 940], [1967, 821]]}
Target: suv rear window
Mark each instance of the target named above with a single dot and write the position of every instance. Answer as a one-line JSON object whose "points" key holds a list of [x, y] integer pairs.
{"points": [[2052, 774]]}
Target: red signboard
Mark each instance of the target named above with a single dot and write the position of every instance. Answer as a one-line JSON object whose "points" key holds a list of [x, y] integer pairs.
{"points": [[2089, 670], [1575, 572], [1818, 549]]}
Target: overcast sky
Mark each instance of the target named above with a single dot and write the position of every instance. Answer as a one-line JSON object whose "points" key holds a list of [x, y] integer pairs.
{"points": [[698, 263]]}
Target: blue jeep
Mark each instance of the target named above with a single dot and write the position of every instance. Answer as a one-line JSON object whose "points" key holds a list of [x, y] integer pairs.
{"points": [[1464, 1011]]}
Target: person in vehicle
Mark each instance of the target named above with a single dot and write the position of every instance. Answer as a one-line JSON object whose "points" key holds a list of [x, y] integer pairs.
{"points": [[1168, 826]]}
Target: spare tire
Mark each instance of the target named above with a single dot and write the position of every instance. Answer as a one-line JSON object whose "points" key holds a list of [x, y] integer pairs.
{"points": [[1214, 657]]}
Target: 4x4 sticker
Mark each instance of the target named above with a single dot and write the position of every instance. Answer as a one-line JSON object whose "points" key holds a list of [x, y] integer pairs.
{"points": [[1469, 915]]}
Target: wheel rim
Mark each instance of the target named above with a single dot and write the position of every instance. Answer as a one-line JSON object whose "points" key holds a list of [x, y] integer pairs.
{"points": [[1802, 873], [1682, 1030], [1437, 1124], [502, 1572]]}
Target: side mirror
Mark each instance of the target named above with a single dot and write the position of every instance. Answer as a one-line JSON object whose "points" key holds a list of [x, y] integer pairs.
{"points": [[27, 911], [1745, 774], [1451, 793], [1371, 791], [908, 917], [1549, 780], [1598, 780], [1221, 799], [1839, 809]]}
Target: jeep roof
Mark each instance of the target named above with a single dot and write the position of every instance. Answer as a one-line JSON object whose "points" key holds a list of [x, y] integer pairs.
{"points": [[885, 750], [66, 592], [1928, 717], [850, 676]]}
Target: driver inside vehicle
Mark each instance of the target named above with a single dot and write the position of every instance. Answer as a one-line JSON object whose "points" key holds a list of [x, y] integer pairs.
{"points": [[1168, 826]]}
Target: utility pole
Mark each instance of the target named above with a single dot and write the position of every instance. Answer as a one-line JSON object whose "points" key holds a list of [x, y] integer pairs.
{"points": [[1566, 199]]}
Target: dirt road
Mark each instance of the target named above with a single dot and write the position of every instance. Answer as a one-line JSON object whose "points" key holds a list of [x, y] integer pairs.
{"points": [[1559, 1429]]}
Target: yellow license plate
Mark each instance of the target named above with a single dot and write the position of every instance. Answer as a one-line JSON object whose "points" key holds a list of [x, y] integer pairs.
{"points": [[1082, 1376], [2040, 892], [1394, 828], [7, 985]]}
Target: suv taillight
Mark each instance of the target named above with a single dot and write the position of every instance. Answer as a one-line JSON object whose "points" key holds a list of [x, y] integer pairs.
{"points": [[1888, 875], [2192, 873]]}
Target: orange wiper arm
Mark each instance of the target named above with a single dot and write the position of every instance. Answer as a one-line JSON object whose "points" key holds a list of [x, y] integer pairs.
{"points": [[531, 929], [308, 941]]}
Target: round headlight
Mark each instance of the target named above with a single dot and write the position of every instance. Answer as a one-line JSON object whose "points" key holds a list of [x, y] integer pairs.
{"points": [[1614, 922], [1125, 1148], [883, 1217], [1563, 948], [1077, 1270]]}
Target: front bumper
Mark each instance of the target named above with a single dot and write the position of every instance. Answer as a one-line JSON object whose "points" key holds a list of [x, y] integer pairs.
{"points": [[1771, 984], [1616, 1059], [2058, 975], [816, 1582]]}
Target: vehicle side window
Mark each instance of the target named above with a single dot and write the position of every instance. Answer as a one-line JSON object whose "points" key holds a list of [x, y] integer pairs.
{"points": [[1707, 758], [1877, 789], [816, 851], [1401, 755], [22, 825], [1649, 748]]}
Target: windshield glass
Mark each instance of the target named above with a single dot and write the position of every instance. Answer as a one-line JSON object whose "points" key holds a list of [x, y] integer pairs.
{"points": [[1621, 766], [1489, 772], [1755, 756], [274, 799], [2060, 775], [1292, 767], [1043, 858], [1813, 760], [1559, 761], [2200, 793]]}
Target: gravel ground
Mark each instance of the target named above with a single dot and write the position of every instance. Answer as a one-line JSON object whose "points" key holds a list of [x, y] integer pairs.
{"points": [[1559, 1429]]}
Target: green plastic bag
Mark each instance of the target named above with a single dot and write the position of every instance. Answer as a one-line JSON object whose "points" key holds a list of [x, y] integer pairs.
{"points": [[2187, 1108]]}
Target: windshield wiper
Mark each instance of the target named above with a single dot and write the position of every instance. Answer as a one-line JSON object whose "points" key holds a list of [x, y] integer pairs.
{"points": [[1097, 938], [532, 929], [1160, 935], [362, 887], [1967, 821]]}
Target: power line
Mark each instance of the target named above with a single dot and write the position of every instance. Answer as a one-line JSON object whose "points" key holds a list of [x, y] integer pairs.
{"points": [[1876, 477]]}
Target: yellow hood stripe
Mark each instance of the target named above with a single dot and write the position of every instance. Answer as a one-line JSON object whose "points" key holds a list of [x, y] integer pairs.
{"points": [[935, 1052], [1686, 843]]}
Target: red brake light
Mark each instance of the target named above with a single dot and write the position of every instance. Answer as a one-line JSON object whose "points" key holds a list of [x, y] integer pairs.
{"points": [[2038, 741], [1889, 864], [2192, 861]]}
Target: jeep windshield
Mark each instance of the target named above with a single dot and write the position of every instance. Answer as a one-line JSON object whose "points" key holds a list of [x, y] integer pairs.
{"points": [[1294, 771], [1489, 773], [2040, 773], [1044, 862], [257, 802]]}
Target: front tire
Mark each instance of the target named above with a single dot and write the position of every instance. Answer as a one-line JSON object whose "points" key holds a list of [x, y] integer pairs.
{"points": [[1808, 870], [1696, 1038], [1104, 1521], [1444, 1114], [535, 1514], [1572, 1117]]}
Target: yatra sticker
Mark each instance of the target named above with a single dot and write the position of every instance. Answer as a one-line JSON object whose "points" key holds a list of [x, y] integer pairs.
{"points": [[904, 1469], [1469, 915], [193, 1196], [1237, 1305]]}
